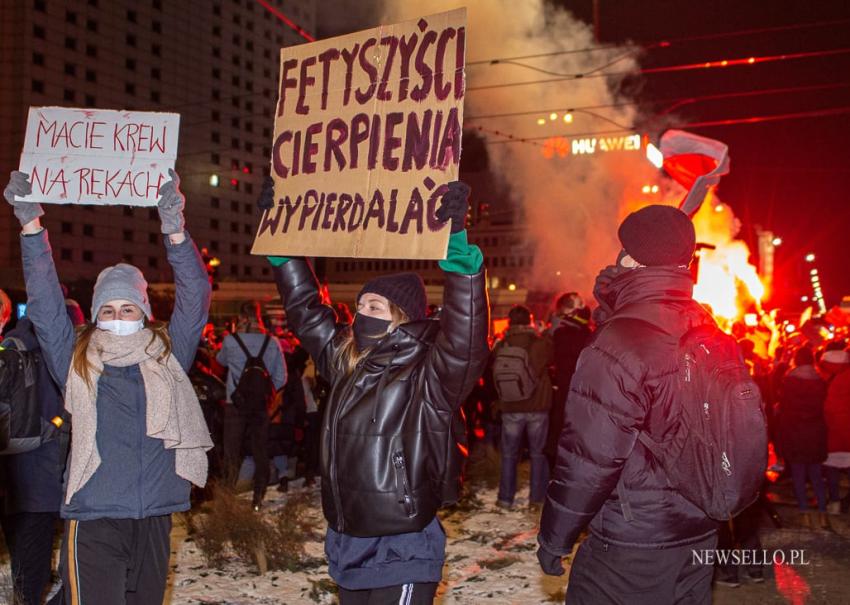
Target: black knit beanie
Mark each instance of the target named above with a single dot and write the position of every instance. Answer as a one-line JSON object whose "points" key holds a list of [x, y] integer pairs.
{"points": [[405, 290], [658, 235]]}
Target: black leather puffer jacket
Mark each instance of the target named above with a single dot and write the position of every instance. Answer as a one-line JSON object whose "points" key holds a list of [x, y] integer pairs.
{"points": [[379, 475], [625, 383]]}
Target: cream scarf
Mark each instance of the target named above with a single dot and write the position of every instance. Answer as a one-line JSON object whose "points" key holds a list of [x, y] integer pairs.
{"points": [[173, 412]]}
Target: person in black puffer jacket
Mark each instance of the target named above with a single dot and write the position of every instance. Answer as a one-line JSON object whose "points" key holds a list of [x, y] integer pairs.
{"points": [[625, 383], [397, 382]]}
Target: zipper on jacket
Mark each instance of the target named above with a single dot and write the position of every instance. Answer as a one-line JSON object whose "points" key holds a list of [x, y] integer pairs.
{"points": [[401, 484], [333, 453], [141, 421]]}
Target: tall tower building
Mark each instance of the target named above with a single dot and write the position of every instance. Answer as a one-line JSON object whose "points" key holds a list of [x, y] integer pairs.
{"points": [[215, 62]]}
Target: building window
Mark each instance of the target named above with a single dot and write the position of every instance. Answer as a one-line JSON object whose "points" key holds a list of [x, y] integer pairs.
{"points": [[247, 229], [234, 206], [70, 69], [215, 116], [214, 246], [156, 50], [70, 17], [67, 227], [130, 64], [215, 202], [90, 101], [246, 270], [70, 43], [247, 208], [234, 248], [88, 256], [157, 4], [131, 16], [129, 88], [235, 80], [153, 262], [91, 76], [214, 137], [216, 9], [38, 32], [216, 73], [249, 147], [127, 235], [215, 158], [65, 254], [249, 187], [91, 25], [156, 74], [155, 96], [156, 26], [234, 228], [216, 52], [216, 94], [153, 238], [40, 6], [88, 230], [214, 223], [234, 122], [69, 95], [37, 86], [37, 59], [234, 143], [217, 31], [153, 214], [130, 39], [91, 51]]}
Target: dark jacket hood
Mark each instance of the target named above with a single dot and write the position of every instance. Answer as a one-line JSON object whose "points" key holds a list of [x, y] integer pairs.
{"points": [[25, 332]]}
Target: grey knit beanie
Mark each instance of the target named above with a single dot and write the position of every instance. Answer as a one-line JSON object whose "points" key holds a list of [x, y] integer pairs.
{"points": [[121, 282]]}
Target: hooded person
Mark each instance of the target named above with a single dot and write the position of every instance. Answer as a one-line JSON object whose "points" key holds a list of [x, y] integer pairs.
{"points": [[397, 382], [139, 436], [624, 384]]}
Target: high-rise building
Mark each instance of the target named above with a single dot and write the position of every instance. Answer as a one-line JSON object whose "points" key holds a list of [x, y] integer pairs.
{"points": [[215, 62]]}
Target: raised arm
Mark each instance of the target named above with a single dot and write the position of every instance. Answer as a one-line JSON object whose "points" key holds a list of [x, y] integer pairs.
{"points": [[192, 292], [313, 322], [460, 352], [45, 301]]}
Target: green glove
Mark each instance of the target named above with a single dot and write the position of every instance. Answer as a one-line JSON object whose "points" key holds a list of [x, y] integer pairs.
{"points": [[277, 261]]}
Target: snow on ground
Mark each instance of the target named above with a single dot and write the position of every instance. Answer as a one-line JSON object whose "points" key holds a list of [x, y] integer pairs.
{"points": [[490, 557]]}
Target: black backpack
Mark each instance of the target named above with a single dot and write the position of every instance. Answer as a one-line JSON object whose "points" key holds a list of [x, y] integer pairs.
{"points": [[512, 373], [717, 453], [22, 428], [254, 389]]}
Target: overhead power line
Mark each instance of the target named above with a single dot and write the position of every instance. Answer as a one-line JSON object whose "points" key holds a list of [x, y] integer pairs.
{"points": [[670, 68], [289, 22]]}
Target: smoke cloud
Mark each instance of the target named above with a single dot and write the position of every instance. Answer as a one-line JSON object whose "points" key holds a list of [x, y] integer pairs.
{"points": [[572, 204]]}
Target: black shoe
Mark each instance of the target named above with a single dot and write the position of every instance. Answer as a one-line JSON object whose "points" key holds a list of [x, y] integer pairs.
{"points": [[756, 576], [283, 486], [728, 581]]}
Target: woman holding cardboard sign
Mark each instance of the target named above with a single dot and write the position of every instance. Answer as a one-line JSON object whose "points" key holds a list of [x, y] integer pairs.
{"points": [[392, 437], [139, 436]]}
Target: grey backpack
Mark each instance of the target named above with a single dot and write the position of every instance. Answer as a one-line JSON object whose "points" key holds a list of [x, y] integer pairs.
{"points": [[512, 374]]}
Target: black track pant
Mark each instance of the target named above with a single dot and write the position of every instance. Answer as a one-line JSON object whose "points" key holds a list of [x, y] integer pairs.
{"points": [[29, 538], [116, 561], [406, 594], [603, 573], [256, 424]]}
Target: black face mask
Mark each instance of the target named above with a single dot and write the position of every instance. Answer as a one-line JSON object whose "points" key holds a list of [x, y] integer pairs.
{"points": [[368, 330]]}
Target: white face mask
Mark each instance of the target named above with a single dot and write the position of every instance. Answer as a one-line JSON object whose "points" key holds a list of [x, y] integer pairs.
{"points": [[121, 327]]}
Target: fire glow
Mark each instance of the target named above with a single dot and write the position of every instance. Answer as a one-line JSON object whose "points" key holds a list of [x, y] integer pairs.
{"points": [[726, 281]]}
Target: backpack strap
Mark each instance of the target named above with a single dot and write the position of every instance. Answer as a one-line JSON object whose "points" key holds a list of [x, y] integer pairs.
{"points": [[655, 449], [242, 345], [263, 348]]}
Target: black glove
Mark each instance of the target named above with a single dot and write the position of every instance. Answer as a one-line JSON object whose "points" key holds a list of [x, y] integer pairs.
{"points": [[266, 199], [549, 563], [455, 205]]}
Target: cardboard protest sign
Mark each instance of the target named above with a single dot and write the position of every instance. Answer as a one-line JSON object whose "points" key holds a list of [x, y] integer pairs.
{"points": [[367, 132], [98, 156]]}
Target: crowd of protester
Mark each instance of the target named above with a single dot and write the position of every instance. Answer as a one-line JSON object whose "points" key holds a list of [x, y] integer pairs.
{"points": [[263, 385]]}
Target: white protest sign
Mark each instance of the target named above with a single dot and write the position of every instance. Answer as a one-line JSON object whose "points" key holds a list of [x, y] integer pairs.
{"points": [[98, 156]]}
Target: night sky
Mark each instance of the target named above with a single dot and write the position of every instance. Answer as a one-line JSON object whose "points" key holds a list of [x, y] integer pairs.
{"points": [[790, 175]]}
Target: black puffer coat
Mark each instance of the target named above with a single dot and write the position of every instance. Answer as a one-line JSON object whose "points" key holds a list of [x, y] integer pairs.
{"points": [[379, 475], [625, 382], [801, 425]]}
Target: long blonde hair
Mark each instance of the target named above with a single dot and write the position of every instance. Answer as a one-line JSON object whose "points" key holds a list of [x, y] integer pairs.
{"points": [[80, 362], [347, 355]]}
